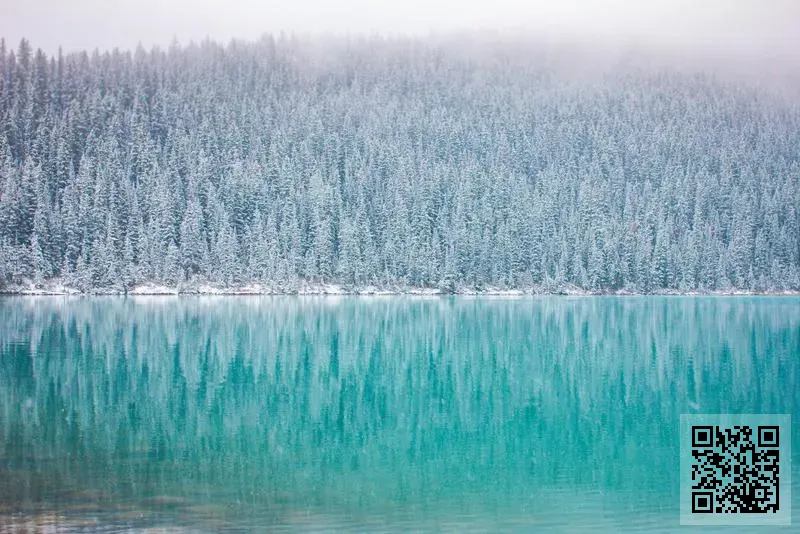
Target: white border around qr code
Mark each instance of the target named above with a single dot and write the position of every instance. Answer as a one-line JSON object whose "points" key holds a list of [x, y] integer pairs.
{"points": [[784, 514]]}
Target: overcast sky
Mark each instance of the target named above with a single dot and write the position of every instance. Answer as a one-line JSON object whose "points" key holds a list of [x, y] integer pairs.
{"points": [[744, 27]]}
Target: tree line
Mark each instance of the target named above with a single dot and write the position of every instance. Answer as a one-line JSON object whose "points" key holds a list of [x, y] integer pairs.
{"points": [[391, 161]]}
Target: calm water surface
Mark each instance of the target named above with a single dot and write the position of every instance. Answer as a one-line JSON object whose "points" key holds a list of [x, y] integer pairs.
{"points": [[553, 414]]}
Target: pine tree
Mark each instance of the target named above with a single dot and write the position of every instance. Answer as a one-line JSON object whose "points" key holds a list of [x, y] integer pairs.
{"points": [[117, 169], [193, 247]]}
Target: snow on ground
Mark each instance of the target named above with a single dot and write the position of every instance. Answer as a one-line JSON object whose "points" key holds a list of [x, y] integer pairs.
{"points": [[54, 288], [153, 289], [320, 289], [496, 292], [58, 287], [372, 290], [422, 291]]}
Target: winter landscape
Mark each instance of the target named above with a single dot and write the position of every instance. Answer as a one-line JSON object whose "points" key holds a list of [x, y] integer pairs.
{"points": [[419, 266], [293, 165]]}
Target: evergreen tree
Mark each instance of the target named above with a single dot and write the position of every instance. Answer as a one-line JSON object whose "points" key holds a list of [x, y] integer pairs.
{"points": [[256, 162]]}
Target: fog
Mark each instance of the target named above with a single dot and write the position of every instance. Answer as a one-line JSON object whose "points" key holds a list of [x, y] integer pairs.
{"points": [[742, 28]]}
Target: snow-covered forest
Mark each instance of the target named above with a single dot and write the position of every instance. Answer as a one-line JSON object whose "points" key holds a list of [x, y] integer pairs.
{"points": [[391, 162]]}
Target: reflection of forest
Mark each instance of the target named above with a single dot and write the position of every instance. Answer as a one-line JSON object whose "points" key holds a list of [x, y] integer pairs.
{"points": [[352, 399]]}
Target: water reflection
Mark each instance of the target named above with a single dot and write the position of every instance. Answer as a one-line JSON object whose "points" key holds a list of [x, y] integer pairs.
{"points": [[370, 413]]}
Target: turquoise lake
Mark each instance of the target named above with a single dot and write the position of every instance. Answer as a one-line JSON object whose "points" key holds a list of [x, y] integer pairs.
{"points": [[373, 414]]}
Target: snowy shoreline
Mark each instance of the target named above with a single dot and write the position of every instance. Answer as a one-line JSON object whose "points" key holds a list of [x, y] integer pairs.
{"points": [[152, 289]]}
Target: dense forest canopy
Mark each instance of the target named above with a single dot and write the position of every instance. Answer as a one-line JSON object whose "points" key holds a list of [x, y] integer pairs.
{"points": [[392, 162]]}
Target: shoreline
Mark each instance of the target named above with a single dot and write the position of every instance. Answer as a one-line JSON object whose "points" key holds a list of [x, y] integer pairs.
{"points": [[305, 289]]}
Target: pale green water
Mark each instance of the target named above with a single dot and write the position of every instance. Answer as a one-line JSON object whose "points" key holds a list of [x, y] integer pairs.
{"points": [[374, 414]]}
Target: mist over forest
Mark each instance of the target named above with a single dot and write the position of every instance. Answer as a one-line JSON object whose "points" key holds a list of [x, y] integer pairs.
{"points": [[453, 164]]}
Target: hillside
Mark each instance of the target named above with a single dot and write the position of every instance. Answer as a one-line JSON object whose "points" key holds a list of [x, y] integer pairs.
{"points": [[392, 163]]}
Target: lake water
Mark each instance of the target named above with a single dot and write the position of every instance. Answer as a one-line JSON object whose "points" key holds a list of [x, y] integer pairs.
{"points": [[301, 414]]}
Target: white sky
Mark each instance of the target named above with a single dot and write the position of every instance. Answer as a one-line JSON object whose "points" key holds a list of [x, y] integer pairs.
{"points": [[742, 27]]}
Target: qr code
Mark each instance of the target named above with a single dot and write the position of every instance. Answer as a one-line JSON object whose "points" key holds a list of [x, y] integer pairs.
{"points": [[735, 470], [731, 470]]}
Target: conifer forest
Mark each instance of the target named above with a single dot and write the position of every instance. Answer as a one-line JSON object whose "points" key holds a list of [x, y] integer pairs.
{"points": [[392, 162]]}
